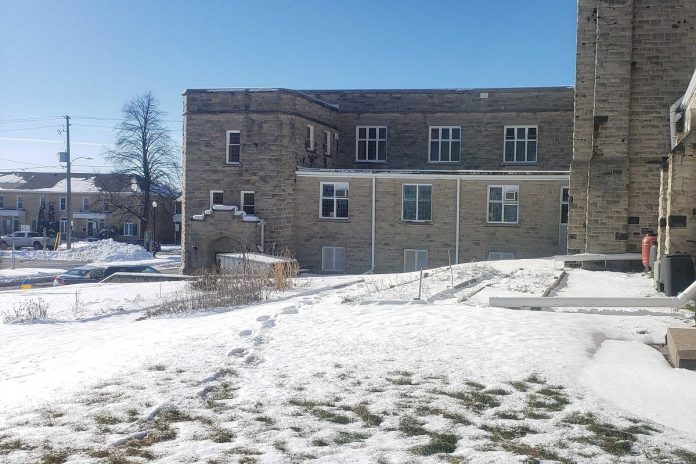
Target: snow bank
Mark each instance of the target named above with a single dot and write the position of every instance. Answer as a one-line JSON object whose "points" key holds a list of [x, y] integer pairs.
{"points": [[102, 250], [11, 276], [638, 379]]}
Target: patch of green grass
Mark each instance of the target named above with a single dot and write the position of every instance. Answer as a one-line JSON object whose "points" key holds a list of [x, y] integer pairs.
{"points": [[519, 385], [476, 400], [500, 433], [426, 410], [411, 426], [281, 445], [132, 413], [106, 419], [580, 418], [534, 414], [320, 442], [535, 378], [157, 367], [220, 435], [548, 403], [510, 415], [56, 456], [610, 438], [401, 381], [685, 456], [535, 453], [363, 412], [343, 438], [265, 419], [244, 451], [456, 418], [173, 415], [642, 429], [496, 391], [12, 445], [401, 373], [330, 416], [439, 443], [475, 385]]}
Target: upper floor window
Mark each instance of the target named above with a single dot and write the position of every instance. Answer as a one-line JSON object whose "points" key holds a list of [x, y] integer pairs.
{"points": [[503, 204], [2, 202], [20, 203], [129, 228], [521, 144], [309, 139], [248, 202], [371, 143], [233, 146], [334, 200], [85, 203], [42, 201], [417, 202], [61, 204], [445, 143], [327, 143]]}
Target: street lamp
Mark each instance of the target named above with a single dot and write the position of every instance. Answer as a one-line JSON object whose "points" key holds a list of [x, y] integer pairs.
{"points": [[64, 157], [154, 228]]}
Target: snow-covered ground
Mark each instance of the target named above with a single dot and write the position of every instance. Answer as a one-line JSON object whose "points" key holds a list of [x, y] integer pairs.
{"points": [[359, 373], [101, 250], [20, 274]]}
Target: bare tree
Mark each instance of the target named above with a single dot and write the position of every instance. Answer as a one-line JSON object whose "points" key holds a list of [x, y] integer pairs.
{"points": [[144, 151]]}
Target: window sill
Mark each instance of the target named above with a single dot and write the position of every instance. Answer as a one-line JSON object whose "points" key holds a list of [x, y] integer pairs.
{"points": [[330, 219], [502, 224], [232, 164], [371, 162], [520, 163], [409, 221], [444, 162]]}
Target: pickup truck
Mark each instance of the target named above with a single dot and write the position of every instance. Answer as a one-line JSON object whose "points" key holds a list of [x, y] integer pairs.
{"points": [[25, 239]]}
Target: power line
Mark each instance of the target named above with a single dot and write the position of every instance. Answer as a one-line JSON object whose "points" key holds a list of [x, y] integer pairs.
{"points": [[29, 128], [95, 118], [30, 119]]}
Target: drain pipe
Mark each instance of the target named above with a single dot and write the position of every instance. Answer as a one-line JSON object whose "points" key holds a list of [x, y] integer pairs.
{"points": [[674, 117], [262, 223], [374, 189], [456, 238]]}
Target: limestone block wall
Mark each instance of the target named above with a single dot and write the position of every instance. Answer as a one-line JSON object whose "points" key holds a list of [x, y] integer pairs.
{"points": [[634, 59]]}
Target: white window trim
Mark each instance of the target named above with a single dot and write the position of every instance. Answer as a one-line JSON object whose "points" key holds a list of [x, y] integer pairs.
{"points": [[403, 188], [333, 248], [241, 199], [2, 202], [560, 219], [211, 196], [62, 203], [500, 255], [536, 155], [415, 259], [227, 147], [430, 140], [63, 225], [327, 139], [502, 201], [83, 204], [20, 202], [312, 143], [42, 200], [377, 140], [126, 226], [321, 199]]}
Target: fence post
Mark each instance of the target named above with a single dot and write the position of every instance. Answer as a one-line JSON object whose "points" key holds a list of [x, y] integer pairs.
{"points": [[449, 258], [420, 284]]}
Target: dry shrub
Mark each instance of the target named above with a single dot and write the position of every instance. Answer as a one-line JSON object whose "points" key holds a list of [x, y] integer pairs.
{"points": [[250, 282], [26, 312]]}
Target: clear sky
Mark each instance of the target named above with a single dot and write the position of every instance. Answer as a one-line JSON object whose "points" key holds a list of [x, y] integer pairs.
{"points": [[86, 58]]}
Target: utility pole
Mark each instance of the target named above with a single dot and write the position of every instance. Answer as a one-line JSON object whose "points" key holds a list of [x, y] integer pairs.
{"points": [[68, 241]]}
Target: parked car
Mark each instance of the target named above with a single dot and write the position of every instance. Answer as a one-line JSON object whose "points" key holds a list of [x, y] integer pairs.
{"points": [[25, 239], [91, 274]]}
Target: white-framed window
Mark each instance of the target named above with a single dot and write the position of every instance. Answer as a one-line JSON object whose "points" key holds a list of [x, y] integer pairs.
{"points": [[129, 228], [333, 259], [309, 138], [503, 204], [62, 202], [415, 260], [521, 144], [2, 201], [371, 143], [565, 201], [85, 203], [217, 197], [445, 144], [334, 200], [248, 198], [417, 202], [42, 200], [500, 255], [233, 146], [327, 143], [20, 203], [63, 226]]}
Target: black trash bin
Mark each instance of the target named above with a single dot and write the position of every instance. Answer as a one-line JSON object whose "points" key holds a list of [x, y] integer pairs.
{"points": [[676, 273]]}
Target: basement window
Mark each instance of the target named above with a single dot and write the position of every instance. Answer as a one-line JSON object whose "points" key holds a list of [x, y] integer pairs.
{"points": [[415, 260], [333, 259]]}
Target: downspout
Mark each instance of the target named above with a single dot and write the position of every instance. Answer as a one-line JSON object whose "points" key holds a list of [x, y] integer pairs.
{"points": [[262, 223], [374, 188], [456, 238], [674, 117]]}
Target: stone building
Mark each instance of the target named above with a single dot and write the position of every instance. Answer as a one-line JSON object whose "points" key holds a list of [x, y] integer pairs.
{"points": [[634, 60], [96, 201], [376, 180]]}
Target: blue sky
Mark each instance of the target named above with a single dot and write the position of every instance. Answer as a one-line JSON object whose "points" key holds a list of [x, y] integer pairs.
{"points": [[86, 58]]}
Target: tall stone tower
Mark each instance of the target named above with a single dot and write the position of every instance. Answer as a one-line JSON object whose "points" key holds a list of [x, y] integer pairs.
{"points": [[634, 59]]}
